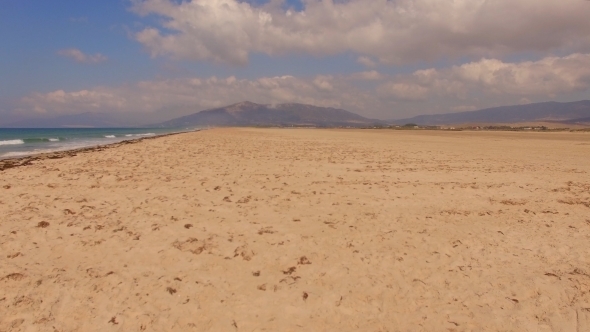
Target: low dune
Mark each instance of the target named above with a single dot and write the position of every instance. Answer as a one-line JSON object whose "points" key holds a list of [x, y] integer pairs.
{"points": [[302, 230]]}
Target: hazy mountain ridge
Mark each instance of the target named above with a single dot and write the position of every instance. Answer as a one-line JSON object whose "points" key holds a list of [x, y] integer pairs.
{"points": [[252, 114], [583, 121], [547, 112], [293, 114]]}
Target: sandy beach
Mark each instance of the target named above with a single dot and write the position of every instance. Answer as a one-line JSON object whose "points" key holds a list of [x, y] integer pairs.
{"points": [[302, 230]]}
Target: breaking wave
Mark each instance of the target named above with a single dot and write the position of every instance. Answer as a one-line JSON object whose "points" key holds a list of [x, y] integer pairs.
{"points": [[12, 142]]}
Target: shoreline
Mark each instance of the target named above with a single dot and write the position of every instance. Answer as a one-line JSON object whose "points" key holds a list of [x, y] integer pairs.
{"points": [[12, 162]]}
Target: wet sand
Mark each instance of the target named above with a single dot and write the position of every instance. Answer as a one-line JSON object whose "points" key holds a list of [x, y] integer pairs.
{"points": [[301, 230]]}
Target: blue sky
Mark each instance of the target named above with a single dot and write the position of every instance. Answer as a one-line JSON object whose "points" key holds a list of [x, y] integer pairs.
{"points": [[386, 59], [34, 31]]}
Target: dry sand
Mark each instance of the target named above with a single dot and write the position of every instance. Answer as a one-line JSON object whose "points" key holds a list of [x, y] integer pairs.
{"points": [[302, 230]]}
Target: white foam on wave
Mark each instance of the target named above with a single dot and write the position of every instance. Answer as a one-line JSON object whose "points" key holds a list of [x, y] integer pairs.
{"points": [[54, 139], [18, 154], [12, 142], [140, 135], [110, 136]]}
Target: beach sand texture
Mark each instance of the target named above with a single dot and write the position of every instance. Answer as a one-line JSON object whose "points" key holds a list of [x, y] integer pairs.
{"points": [[302, 230]]}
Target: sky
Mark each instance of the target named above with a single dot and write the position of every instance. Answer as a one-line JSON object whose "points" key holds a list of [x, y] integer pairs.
{"points": [[153, 60]]}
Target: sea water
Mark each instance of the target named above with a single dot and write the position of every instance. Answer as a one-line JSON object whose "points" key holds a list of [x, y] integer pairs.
{"points": [[24, 142]]}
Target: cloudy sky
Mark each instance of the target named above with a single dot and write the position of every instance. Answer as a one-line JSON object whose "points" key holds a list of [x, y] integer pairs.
{"points": [[158, 59]]}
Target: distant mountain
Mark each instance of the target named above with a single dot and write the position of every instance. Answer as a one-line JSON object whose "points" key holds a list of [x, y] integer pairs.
{"points": [[251, 114], [84, 120], [539, 112], [582, 121]]}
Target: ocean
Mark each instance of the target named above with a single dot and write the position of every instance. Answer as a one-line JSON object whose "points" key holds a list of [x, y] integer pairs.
{"points": [[24, 142]]}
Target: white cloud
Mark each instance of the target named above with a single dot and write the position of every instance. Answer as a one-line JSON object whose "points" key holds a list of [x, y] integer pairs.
{"points": [[400, 31], [478, 84], [371, 75], [199, 93], [324, 83], [404, 91], [548, 77], [80, 57], [366, 61]]}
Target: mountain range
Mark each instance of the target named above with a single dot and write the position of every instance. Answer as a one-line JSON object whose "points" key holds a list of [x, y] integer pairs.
{"points": [[572, 113], [252, 114]]}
